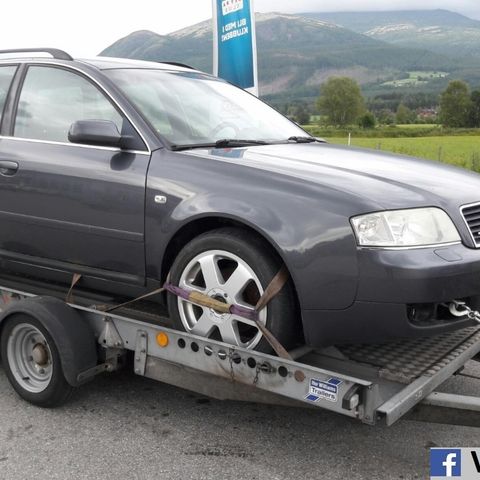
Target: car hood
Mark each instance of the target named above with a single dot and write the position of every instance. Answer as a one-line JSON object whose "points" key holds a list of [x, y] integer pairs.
{"points": [[386, 180]]}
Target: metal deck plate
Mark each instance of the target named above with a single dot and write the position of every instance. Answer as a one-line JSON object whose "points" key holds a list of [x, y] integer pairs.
{"points": [[404, 361]]}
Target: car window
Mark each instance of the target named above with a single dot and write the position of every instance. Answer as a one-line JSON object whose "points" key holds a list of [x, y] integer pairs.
{"points": [[53, 98], [6, 75], [190, 107]]}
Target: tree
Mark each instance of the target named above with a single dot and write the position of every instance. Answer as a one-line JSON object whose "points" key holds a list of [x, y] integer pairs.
{"points": [[299, 113], [475, 109], [367, 120], [455, 105], [404, 115], [341, 101], [385, 117]]}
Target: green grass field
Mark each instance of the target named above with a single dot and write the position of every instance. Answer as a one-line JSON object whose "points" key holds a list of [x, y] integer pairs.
{"points": [[415, 78], [392, 131], [417, 125], [463, 151]]}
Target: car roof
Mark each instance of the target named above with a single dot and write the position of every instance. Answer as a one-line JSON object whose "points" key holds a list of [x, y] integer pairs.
{"points": [[101, 63]]}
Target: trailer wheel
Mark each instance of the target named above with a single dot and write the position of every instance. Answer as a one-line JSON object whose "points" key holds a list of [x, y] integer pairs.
{"points": [[32, 362]]}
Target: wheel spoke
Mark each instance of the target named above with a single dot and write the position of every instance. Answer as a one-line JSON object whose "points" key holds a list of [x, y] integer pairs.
{"points": [[204, 326], [237, 281], [229, 333], [189, 286], [210, 272], [246, 321]]}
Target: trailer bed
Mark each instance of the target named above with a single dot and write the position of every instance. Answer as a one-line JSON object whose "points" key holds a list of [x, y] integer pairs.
{"points": [[370, 383]]}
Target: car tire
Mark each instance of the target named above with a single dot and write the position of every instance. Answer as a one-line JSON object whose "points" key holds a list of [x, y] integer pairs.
{"points": [[41, 383], [218, 263]]}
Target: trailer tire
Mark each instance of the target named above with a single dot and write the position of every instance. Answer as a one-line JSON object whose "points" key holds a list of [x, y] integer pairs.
{"points": [[69, 342], [38, 380]]}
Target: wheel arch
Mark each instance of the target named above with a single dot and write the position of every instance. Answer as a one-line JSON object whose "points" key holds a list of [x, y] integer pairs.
{"points": [[73, 337], [204, 224]]}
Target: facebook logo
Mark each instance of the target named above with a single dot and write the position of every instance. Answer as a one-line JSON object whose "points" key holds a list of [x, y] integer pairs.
{"points": [[445, 462]]}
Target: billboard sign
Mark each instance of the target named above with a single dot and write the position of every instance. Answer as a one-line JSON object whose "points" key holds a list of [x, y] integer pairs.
{"points": [[234, 43]]}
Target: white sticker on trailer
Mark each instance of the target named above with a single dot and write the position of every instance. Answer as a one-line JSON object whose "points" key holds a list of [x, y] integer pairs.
{"points": [[323, 390]]}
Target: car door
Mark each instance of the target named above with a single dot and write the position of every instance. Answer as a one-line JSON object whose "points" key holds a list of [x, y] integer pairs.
{"points": [[67, 206]]}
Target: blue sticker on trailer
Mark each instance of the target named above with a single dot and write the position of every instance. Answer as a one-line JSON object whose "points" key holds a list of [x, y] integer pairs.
{"points": [[323, 390]]}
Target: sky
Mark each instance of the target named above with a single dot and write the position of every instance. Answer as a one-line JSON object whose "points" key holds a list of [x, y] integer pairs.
{"points": [[85, 28]]}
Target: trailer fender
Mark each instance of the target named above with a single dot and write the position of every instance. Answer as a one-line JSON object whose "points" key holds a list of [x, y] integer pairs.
{"points": [[73, 336]]}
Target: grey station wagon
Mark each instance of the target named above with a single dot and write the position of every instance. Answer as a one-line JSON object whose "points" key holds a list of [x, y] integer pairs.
{"points": [[126, 171]]}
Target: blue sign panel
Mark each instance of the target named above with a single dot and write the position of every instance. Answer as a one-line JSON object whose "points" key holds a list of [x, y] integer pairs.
{"points": [[235, 56]]}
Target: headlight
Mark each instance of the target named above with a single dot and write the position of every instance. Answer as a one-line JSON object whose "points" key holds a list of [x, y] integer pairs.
{"points": [[405, 228]]}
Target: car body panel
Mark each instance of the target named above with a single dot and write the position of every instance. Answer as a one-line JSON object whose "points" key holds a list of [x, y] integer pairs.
{"points": [[78, 205], [322, 263], [386, 181]]}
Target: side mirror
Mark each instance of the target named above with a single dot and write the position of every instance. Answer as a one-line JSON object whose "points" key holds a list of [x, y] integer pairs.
{"points": [[103, 133]]}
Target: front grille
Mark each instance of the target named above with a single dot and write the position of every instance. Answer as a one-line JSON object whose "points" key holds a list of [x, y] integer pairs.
{"points": [[471, 214]]}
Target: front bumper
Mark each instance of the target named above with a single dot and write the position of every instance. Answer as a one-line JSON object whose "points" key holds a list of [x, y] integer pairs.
{"points": [[394, 283], [418, 275]]}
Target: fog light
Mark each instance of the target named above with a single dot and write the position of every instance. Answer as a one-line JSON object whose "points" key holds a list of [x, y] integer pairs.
{"points": [[421, 312]]}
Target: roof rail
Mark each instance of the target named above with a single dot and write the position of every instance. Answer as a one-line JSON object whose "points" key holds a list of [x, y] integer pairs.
{"points": [[177, 64], [54, 52]]}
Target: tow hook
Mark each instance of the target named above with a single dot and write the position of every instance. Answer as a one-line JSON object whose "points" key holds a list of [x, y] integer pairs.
{"points": [[460, 309]]}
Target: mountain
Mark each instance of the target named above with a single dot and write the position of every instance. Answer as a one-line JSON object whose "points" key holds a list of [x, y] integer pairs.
{"points": [[295, 54], [440, 31]]}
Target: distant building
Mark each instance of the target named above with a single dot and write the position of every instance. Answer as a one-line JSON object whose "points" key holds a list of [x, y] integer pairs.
{"points": [[427, 113]]}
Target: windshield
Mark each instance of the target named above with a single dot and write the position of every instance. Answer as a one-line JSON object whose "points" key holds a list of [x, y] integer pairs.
{"points": [[188, 108]]}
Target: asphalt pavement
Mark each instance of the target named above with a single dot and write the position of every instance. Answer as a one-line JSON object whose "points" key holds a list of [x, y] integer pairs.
{"points": [[125, 427]]}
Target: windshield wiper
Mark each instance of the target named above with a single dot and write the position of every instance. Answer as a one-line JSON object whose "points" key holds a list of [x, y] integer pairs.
{"points": [[305, 140], [224, 143], [236, 142], [191, 146], [239, 142]]}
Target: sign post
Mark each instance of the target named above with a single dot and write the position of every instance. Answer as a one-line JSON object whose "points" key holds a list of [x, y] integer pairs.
{"points": [[234, 43]]}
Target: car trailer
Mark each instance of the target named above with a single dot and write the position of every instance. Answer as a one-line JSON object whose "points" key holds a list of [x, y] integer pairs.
{"points": [[370, 383]]}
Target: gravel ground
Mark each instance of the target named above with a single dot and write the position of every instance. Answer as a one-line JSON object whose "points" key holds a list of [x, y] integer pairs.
{"points": [[123, 426]]}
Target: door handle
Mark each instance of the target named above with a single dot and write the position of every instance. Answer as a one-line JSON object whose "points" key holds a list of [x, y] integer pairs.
{"points": [[8, 168]]}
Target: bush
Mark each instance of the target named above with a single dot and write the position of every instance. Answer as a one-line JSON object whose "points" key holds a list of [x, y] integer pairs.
{"points": [[367, 120]]}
